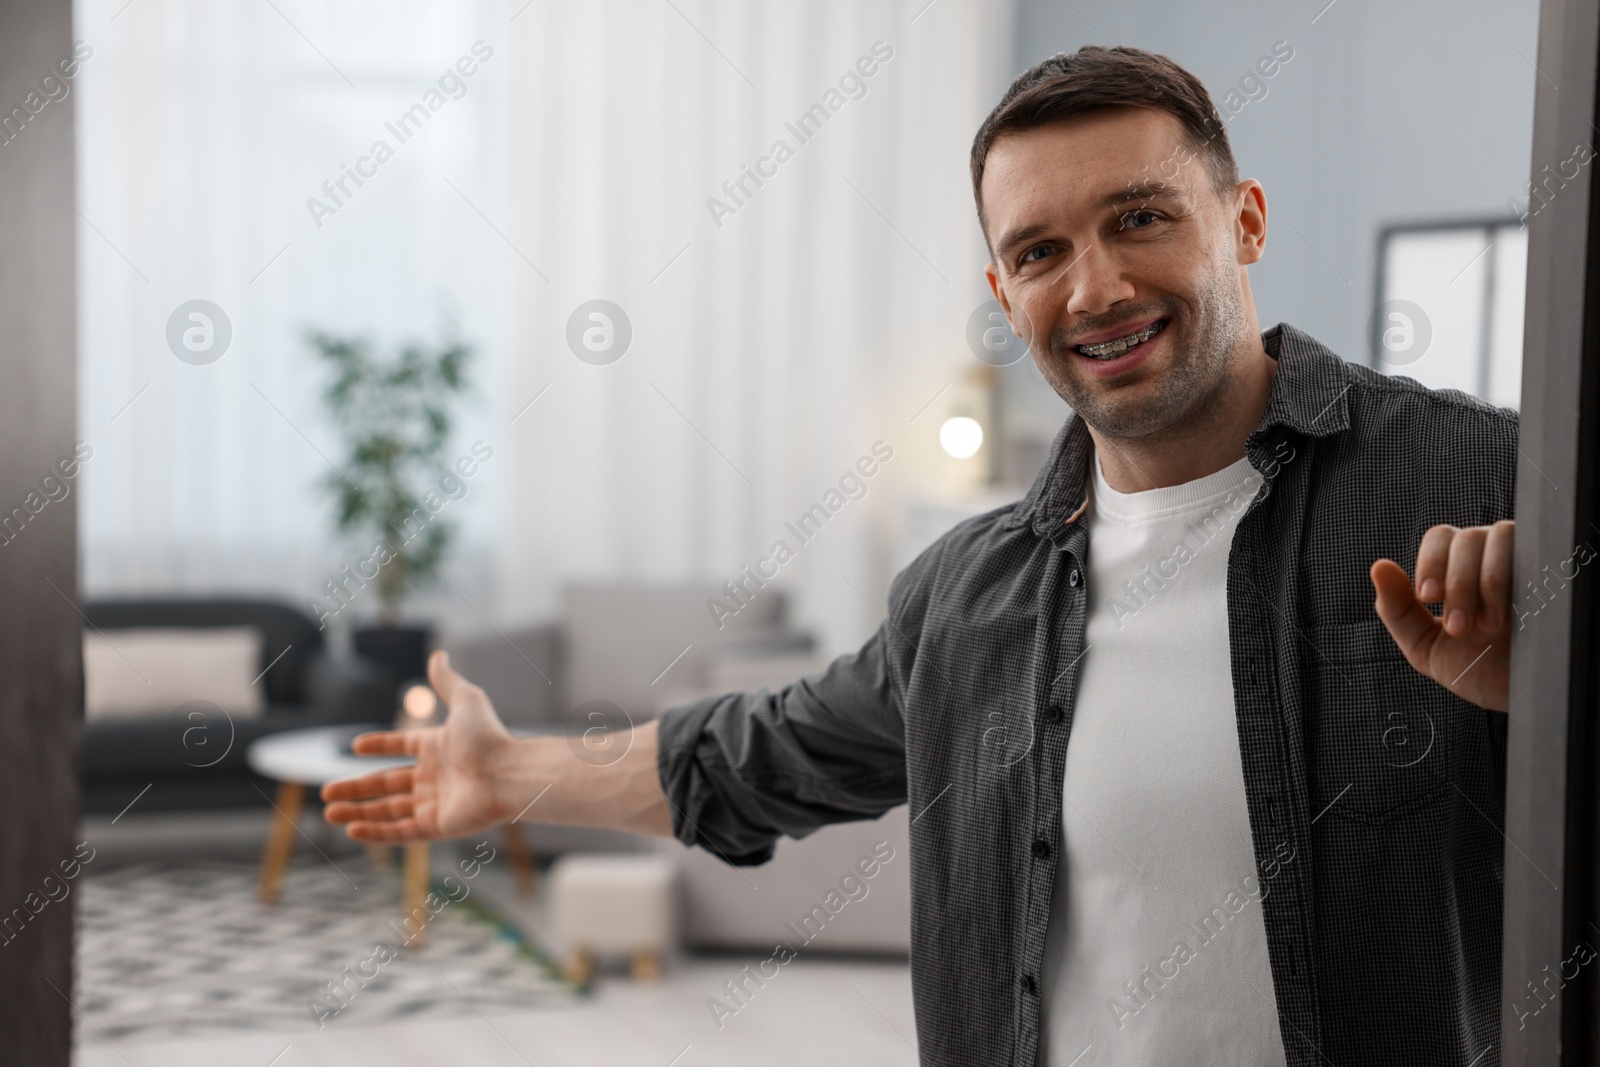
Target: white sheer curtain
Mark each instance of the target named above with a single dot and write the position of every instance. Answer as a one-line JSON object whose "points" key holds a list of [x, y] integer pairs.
{"points": [[768, 353]]}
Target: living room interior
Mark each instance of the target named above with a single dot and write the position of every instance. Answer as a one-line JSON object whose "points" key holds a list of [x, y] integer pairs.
{"points": [[506, 328]]}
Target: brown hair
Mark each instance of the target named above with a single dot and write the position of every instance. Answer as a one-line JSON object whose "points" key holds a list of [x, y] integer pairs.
{"points": [[1093, 78]]}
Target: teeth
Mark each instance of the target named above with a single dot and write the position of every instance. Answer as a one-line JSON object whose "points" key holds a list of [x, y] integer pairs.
{"points": [[1122, 344]]}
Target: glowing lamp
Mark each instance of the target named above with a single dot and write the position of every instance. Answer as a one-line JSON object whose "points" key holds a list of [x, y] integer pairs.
{"points": [[418, 705], [961, 436]]}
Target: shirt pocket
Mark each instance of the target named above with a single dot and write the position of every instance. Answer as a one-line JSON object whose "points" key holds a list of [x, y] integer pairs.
{"points": [[1382, 735]]}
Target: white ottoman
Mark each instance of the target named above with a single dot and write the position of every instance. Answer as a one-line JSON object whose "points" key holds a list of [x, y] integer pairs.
{"points": [[612, 904]]}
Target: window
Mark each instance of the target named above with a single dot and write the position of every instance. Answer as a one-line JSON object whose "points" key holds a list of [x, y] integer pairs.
{"points": [[1448, 310]]}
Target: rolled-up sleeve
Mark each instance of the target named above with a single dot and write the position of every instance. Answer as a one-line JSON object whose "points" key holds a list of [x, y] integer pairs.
{"points": [[744, 769]]}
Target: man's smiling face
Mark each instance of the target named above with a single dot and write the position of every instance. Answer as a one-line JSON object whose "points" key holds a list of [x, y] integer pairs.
{"points": [[1122, 266]]}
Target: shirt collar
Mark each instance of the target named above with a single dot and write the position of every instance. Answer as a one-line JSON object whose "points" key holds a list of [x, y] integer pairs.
{"points": [[1308, 396]]}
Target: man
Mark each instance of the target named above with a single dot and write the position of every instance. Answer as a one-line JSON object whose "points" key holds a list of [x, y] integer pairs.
{"points": [[1179, 793]]}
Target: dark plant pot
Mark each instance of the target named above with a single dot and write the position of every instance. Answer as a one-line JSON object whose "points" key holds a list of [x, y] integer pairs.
{"points": [[403, 650]]}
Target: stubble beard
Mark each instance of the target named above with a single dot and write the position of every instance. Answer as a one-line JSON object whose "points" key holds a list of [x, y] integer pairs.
{"points": [[1197, 372]]}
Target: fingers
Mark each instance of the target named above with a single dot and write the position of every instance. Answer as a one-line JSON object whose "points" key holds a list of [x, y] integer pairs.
{"points": [[1433, 563], [1494, 582], [1408, 621], [387, 743], [1469, 571], [390, 833], [391, 817], [1462, 575], [388, 809], [379, 784]]}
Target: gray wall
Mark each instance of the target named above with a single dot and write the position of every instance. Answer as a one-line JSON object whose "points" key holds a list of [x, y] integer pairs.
{"points": [[1387, 113], [41, 699]]}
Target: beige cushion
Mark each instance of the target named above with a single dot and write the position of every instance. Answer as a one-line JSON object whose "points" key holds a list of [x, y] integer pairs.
{"points": [[152, 671]]}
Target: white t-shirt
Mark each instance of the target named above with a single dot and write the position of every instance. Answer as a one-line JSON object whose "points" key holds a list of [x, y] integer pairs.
{"points": [[1156, 953]]}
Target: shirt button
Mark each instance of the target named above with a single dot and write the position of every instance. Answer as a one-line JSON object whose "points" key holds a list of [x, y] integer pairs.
{"points": [[1029, 985], [1054, 714], [1041, 849], [1075, 578]]}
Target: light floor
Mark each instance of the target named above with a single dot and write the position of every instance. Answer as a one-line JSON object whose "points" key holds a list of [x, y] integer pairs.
{"points": [[815, 1011]]}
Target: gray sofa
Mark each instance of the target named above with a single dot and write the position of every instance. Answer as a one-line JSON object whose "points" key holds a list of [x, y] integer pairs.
{"points": [[201, 764]]}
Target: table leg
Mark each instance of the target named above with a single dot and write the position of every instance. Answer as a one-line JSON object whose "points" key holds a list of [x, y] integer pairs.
{"points": [[523, 871], [416, 892], [280, 842], [579, 969], [646, 965]]}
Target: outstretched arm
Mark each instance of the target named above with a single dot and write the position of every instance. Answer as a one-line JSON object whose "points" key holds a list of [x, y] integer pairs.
{"points": [[1467, 647], [471, 774]]}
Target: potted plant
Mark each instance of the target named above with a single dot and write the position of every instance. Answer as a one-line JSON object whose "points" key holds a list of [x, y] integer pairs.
{"points": [[393, 418]]}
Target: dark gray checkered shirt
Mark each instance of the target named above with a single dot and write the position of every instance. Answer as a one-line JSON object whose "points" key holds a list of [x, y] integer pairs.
{"points": [[1383, 790]]}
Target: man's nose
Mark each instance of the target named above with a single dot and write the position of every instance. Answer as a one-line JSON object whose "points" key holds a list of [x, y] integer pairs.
{"points": [[1094, 281]]}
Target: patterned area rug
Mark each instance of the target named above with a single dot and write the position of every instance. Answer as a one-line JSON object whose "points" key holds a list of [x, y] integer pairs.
{"points": [[172, 950]]}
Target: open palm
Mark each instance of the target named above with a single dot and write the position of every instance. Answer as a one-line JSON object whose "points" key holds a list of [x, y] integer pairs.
{"points": [[448, 793]]}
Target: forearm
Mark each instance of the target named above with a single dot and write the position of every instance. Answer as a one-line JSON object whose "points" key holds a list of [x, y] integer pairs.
{"points": [[545, 779]]}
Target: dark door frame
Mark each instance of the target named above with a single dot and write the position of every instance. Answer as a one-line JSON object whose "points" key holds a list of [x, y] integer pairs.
{"points": [[1550, 785], [40, 647]]}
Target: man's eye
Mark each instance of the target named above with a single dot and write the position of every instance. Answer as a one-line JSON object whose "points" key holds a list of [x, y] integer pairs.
{"points": [[1036, 253], [1139, 220]]}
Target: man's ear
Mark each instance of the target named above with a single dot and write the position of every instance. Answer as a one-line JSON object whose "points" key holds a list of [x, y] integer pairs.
{"points": [[1250, 224], [993, 277]]}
